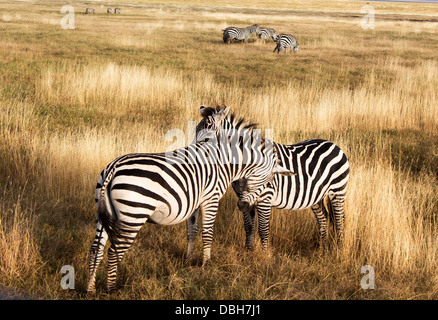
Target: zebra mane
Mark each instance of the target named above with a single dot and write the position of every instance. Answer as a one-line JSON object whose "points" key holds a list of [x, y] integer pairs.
{"points": [[236, 122]]}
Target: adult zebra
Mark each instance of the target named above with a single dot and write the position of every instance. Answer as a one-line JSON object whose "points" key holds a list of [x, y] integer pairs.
{"points": [[231, 33], [117, 11], [166, 188], [266, 33], [321, 169], [89, 11], [285, 41]]}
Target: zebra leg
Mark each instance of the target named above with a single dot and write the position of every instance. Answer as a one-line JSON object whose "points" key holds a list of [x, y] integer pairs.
{"points": [[249, 225], [96, 255], [337, 205], [192, 231], [209, 211], [264, 214], [321, 218], [123, 239]]}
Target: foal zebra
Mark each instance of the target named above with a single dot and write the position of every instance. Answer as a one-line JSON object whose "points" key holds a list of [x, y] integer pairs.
{"points": [[231, 33], [285, 41], [166, 188], [265, 33], [321, 169]]}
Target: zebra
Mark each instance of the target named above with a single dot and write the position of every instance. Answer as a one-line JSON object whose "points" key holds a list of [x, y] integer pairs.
{"points": [[89, 10], [166, 188], [231, 33], [322, 171], [285, 41], [117, 11], [109, 10], [265, 33]]}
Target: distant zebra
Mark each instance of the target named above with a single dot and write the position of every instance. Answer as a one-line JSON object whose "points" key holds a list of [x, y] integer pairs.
{"points": [[167, 188], [231, 33], [89, 10], [265, 33], [322, 169], [285, 41], [109, 10], [117, 11]]}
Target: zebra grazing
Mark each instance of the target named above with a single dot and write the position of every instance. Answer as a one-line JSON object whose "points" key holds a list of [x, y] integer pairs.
{"points": [[89, 10], [117, 11], [109, 10], [321, 169], [231, 33], [265, 33], [285, 41], [167, 188]]}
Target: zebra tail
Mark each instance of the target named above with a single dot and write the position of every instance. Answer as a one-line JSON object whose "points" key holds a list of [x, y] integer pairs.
{"points": [[103, 214]]}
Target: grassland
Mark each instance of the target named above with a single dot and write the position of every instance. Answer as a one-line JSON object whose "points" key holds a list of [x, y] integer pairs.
{"points": [[72, 100]]}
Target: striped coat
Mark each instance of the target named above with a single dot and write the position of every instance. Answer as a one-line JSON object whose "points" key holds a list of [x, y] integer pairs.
{"points": [[167, 188]]}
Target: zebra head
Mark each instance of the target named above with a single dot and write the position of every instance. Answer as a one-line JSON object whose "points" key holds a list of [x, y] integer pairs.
{"points": [[296, 47], [255, 28], [251, 185], [255, 159]]}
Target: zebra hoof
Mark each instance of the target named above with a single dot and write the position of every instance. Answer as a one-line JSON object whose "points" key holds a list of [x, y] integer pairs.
{"points": [[205, 263]]}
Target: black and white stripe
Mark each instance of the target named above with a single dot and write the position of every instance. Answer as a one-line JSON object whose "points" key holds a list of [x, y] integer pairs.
{"points": [[117, 11], [234, 33], [285, 41], [266, 33], [322, 170], [109, 10], [167, 188]]}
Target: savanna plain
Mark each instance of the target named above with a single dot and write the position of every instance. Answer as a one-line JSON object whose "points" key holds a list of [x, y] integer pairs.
{"points": [[73, 100]]}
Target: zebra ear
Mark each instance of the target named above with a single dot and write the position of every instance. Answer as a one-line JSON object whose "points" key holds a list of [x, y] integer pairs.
{"points": [[224, 113], [278, 169], [202, 110]]}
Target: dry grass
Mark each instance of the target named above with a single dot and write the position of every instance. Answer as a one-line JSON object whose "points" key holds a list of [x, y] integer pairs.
{"points": [[71, 101]]}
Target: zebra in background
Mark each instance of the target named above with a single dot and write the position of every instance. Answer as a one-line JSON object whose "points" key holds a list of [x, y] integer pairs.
{"points": [[265, 33], [285, 41], [166, 188], [322, 170], [231, 33], [89, 10], [117, 11], [109, 10]]}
